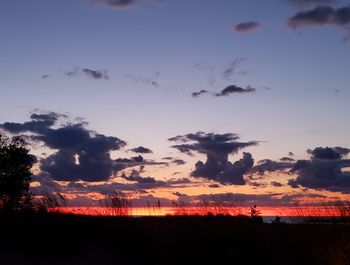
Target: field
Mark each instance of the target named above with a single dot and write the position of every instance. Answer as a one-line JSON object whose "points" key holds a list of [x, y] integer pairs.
{"points": [[72, 239]]}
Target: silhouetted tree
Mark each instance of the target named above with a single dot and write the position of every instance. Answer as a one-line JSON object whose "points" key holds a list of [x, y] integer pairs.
{"points": [[15, 173]]}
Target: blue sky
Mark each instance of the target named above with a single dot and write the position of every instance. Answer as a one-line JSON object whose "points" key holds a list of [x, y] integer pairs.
{"points": [[157, 53]]}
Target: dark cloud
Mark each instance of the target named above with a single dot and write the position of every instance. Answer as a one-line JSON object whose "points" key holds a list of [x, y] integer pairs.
{"points": [[287, 159], [95, 74], [276, 184], [214, 186], [179, 162], [127, 3], [142, 150], [290, 154], [256, 184], [217, 148], [45, 76], [233, 89], [246, 26], [321, 16], [176, 193], [328, 152], [135, 176], [267, 165], [79, 153], [304, 3], [199, 93], [119, 3], [324, 170]]}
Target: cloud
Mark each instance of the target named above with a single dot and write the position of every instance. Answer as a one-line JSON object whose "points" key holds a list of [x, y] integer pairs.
{"points": [[199, 93], [154, 81], [95, 74], [179, 162], [304, 3], [323, 170], [276, 184], [233, 89], [231, 68], [287, 159], [321, 16], [121, 4], [246, 26], [217, 148], [268, 165], [78, 153], [135, 176], [142, 150], [328, 152], [45, 76]]}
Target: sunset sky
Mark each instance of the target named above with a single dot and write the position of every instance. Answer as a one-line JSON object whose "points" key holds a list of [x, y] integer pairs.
{"points": [[180, 99]]}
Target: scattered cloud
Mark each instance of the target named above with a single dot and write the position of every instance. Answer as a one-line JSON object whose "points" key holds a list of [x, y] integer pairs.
{"points": [[231, 69], [214, 186], [321, 16], [142, 150], [153, 81], [233, 89], [45, 76], [199, 93], [217, 148], [287, 159], [174, 160], [246, 26], [119, 3], [135, 176], [179, 162], [122, 4], [95, 74]]}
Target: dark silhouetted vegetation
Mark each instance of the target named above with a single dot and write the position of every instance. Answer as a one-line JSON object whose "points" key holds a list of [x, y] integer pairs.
{"points": [[15, 174]]}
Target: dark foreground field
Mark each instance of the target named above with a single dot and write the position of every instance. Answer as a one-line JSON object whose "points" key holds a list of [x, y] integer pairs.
{"points": [[61, 239]]}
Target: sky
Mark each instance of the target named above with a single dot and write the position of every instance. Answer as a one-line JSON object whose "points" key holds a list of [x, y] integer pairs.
{"points": [[179, 100]]}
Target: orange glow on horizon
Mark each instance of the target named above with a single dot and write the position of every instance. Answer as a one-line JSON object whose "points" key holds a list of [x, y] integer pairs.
{"points": [[300, 211]]}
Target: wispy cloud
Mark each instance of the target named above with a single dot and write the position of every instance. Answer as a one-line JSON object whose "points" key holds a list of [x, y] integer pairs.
{"points": [[94, 74], [199, 93]]}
